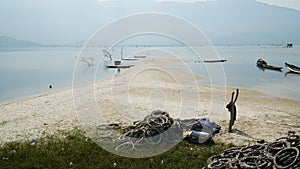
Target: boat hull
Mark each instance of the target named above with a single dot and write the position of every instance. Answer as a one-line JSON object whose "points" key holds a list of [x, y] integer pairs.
{"points": [[214, 61], [292, 68], [270, 67], [119, 66], [263, 65]]}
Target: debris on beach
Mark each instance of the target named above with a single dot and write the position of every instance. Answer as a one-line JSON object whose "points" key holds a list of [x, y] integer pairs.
{"points": [[282, 153], [202, 132], [159, 127], [150, 130], [33, 142], [155, 123]]}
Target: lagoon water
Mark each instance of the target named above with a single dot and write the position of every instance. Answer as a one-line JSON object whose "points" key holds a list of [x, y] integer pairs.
{"points": [[242, 72], [29, 72]]}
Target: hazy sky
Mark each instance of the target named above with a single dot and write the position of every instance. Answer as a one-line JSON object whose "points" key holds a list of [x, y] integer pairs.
{"points": [[66, 21], [294, 4]]}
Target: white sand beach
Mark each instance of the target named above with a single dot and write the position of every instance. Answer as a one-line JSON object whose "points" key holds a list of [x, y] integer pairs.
{"points": [[141, 89]]}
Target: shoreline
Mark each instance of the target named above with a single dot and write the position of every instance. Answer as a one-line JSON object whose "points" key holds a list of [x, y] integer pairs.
{"points": [[46, 114]]}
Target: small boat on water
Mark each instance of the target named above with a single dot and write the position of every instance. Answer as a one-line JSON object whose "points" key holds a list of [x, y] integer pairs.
{"points": [[264, 65], [140, 56], [214, 61], [119, 66], [128, 59], [117, 63], [292, 68]]}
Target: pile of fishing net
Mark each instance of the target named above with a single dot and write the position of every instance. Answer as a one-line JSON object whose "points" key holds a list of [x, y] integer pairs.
{"points": [[154, 124], [282, 154], [154, 129], [159, 127]]}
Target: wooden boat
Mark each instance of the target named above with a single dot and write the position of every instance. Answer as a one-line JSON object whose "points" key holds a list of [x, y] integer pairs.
{"points": [[119, 66], [129, 59], [139, 56], [262, 64], [214, 61], [292, 68], [117, 63]]}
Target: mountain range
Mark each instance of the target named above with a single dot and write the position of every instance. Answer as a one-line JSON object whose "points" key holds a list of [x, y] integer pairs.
{"points": [[224, 22], [9, 42]]}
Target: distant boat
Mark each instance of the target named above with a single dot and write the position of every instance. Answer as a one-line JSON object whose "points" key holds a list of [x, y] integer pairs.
{"points": [[214, 61], [119, 66], [140, 56], [292, 68], [117, 63], [128, 59], [262, 64]]}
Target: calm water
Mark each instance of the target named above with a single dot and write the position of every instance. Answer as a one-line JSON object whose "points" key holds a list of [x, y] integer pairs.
{"points": [[241, 70], [29, 72], [25, 73]]}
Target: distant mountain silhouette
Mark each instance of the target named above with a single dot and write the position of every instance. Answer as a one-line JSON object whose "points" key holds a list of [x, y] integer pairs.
{"points": [[225, 22], [8, 42], [241, 22]]}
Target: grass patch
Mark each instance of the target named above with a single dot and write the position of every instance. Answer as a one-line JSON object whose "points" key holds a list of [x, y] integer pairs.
{"points": [[75, 151], [2, 123]]}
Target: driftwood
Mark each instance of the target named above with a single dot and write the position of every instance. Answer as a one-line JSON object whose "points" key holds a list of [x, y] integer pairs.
{"points": [[232, 109], [107, 53]]}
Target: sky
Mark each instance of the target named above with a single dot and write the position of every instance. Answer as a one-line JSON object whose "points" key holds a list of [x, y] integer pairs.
{"points": [[294, 4], [69, 21]]}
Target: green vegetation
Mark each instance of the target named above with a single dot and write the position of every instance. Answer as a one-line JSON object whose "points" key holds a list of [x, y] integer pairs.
{"points": [[2, 123], [74, 150]]}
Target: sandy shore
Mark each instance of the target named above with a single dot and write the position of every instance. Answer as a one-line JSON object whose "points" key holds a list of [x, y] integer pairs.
{"points": [[134, 93]]}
